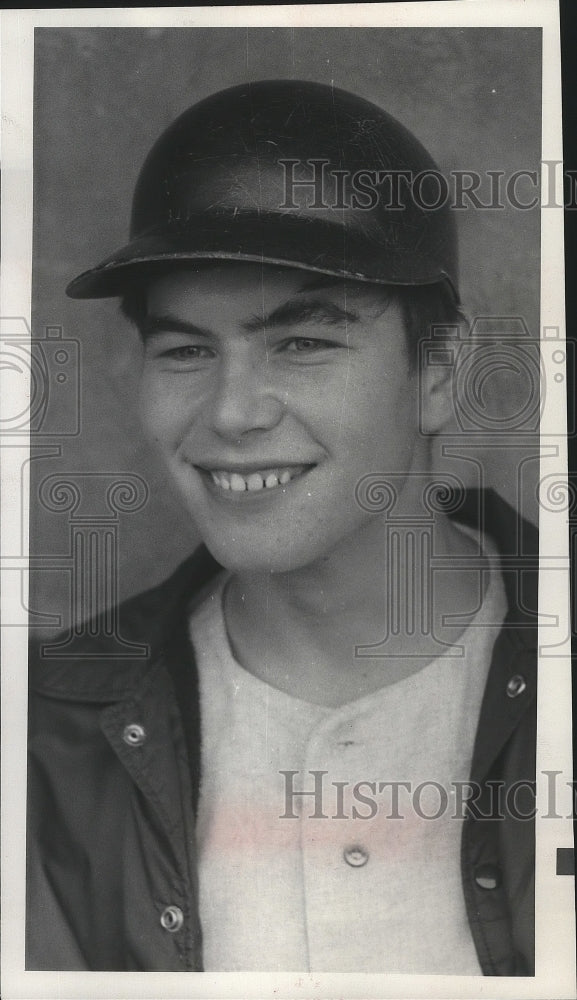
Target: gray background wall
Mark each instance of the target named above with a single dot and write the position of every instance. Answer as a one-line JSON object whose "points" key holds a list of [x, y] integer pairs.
{"points": [[102, 96]]}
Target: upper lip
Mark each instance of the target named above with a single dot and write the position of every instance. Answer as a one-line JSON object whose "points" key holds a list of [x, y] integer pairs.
{"points": [[245, 468]]}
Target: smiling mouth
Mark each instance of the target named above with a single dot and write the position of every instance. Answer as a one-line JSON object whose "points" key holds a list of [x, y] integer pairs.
{"points": [[254, 482]]}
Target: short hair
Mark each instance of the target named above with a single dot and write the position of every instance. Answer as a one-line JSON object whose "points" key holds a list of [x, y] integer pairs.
{"points": [[423, 307]]}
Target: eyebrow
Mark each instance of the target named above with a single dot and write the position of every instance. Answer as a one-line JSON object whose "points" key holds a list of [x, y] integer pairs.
{"points": [[288, 314], [152, 325], [294, 312]]}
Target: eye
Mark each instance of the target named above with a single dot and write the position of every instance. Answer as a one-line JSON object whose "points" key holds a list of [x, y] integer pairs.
{"points": [[188, 352], [307, 345], [182, 356]]}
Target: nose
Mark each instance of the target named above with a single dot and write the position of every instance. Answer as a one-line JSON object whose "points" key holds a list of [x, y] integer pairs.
{"points": [[243, 400]]}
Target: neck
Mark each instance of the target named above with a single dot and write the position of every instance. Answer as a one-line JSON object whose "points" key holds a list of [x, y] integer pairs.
{"points": [[301, 630]]}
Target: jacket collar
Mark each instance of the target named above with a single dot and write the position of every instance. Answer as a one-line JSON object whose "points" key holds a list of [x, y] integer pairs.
{"points": [[94, 666], [518, 543]]}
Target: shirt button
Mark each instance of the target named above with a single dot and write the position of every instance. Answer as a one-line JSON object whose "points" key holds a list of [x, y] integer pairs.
{"points": [[516, 686], [172, 919], [355, 856], [134, 735], [488, 876]]}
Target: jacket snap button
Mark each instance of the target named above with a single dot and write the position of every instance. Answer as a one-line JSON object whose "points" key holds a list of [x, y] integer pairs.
{"points": [[355, 856], [516, 686], [488, 876], [134, 735], [172, 919]]}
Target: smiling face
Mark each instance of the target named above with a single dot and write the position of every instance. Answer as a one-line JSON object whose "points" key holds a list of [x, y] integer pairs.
{"points": [[270, 394]]}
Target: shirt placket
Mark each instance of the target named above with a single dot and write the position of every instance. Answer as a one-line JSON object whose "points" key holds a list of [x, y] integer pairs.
{"points": [[335, 848]]}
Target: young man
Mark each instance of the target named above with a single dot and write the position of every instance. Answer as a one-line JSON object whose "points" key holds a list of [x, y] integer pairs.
{"points": [[282, 783]]}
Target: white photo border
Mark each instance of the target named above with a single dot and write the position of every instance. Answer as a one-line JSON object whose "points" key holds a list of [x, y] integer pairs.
{"points": [[555, 933]]}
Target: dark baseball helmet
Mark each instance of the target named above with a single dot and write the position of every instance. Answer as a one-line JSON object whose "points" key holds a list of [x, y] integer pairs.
{"points": [[292, 173]]}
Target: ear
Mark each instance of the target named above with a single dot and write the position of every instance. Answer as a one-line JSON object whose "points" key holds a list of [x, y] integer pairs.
{"points": [[436, 392]]}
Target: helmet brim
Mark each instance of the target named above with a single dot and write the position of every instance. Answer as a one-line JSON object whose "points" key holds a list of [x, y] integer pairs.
{"points": [[280, 239]]}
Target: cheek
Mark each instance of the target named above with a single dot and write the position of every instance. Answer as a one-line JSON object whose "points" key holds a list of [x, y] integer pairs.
{"points": [[164, 414], [377, 399], [380, 421]]}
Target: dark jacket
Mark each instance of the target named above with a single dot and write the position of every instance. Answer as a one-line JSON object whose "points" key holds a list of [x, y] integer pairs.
{"points": [[115, 768]]}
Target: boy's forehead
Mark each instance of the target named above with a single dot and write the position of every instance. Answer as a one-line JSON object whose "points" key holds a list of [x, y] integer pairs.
{"points": [[195, 285]]}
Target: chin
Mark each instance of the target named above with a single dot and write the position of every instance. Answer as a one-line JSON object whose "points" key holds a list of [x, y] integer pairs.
{"points": [[254, 557]]}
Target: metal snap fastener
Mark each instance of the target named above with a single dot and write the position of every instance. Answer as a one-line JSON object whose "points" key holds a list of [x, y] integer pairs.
{"points": [[488, 876], [355, 856], [172, 919], [134, 735], [516, 686]]}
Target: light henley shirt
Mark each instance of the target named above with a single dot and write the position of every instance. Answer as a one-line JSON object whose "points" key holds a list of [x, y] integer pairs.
{"points": [[361, 873]]}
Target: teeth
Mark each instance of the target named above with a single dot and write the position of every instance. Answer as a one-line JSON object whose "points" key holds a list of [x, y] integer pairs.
{"points": [[255, 481], [220, 480]]}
